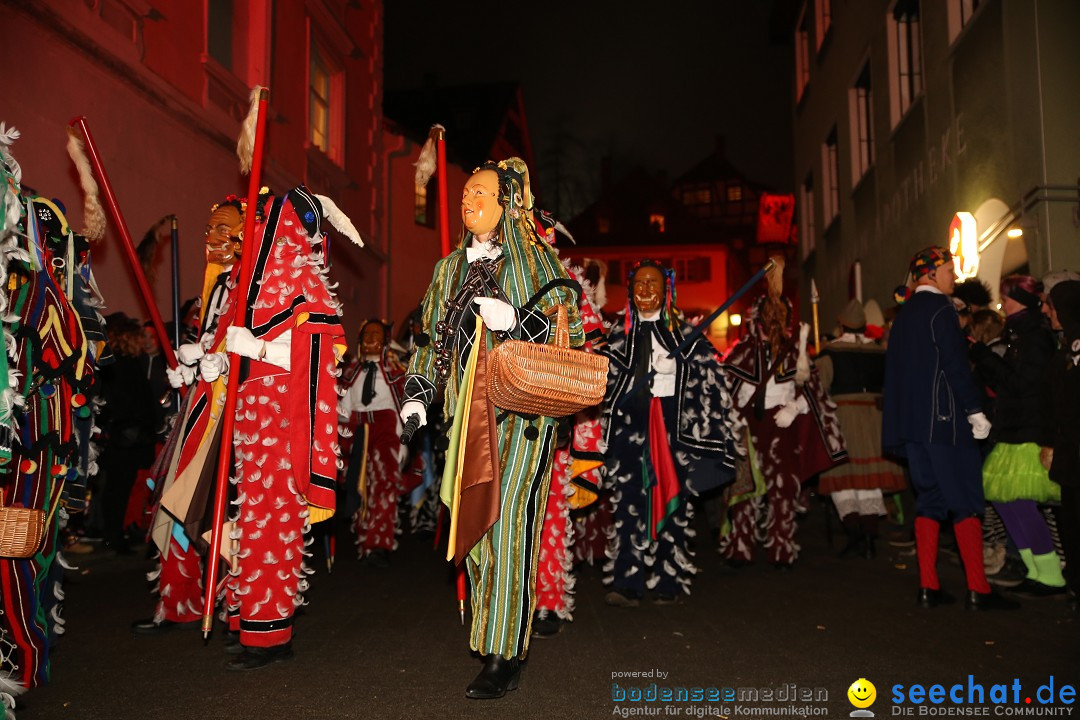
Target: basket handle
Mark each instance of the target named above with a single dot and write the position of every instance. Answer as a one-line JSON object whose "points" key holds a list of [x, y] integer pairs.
{"points": [[562, 325]]}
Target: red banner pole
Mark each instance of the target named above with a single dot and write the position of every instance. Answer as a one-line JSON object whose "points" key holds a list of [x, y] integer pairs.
{"points": [[129, 247], [444, 203], [228, 417]]}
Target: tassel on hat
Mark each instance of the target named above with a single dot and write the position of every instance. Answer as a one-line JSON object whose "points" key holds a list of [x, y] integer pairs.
{"points": [[339, 220], [93, 212]]}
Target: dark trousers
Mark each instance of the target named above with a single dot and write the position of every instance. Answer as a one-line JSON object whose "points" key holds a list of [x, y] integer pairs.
{"points": [[947, 480]]}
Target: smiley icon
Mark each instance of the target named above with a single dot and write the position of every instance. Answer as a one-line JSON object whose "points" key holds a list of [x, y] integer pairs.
{"points": [[862, 693]]}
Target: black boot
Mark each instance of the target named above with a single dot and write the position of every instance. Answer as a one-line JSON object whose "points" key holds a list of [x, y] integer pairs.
{"points": [[498, 676], [856, 538], [256, 657]]}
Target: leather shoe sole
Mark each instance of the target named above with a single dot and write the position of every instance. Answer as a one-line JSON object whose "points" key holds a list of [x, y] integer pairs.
{"points": [[928, 598], [988, 601], [255, 658]]}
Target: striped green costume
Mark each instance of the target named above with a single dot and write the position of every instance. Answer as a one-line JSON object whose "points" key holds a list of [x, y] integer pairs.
{"points": [[502, 566]]}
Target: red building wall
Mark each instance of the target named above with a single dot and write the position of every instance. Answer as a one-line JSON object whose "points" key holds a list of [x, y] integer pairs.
{"points": [[165, 118]]}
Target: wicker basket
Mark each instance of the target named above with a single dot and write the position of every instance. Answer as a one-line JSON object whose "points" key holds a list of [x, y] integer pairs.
{"points": [[21, 530], [550, 380]]}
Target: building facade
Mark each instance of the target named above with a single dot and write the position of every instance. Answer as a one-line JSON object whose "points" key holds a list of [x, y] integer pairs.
{"points": [[934, 122], [164, 85]]}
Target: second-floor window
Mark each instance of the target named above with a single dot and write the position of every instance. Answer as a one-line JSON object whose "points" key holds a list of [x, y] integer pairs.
{"points": [[822, 20], [326, 103], [861, 111]]}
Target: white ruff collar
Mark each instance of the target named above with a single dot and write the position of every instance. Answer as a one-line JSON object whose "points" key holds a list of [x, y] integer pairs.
{"points": [[488, 250]]}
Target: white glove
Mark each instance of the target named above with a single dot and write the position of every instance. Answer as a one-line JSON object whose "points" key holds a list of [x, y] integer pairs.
{"points": [[414, 407], [189, 353], [787, 414], [980, 426], [498, 315], [181, 376], [662, 364], [213, 366], [239, 340]]}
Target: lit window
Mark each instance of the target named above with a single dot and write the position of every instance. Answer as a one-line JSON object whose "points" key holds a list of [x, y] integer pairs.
{"points": [[860, 102], [699, 196], [326, 104], [823, 19], [806, 215], [423, 215], [603, 225], [802, 55], [734, 193], [905, 57], [656, 221], [830, 171]]}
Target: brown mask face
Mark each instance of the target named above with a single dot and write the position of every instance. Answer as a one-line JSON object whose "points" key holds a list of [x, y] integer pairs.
{"points": [[372, 339], [223, 231], [648, 290], [480, 208]]}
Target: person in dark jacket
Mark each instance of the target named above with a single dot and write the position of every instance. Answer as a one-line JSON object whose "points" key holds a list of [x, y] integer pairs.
{"points": [[1063, 455], [933, 415], [1014, 478]]}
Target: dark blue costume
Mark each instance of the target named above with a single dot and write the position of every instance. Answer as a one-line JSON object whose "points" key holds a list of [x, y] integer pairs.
{"points": [[929, 393]]}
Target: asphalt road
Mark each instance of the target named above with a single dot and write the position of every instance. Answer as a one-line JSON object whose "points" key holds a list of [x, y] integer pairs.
{"points": [[387, 643]]}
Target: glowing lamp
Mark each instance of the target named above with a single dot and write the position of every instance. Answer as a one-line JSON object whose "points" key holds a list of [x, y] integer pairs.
{"points": [[735, 319]]}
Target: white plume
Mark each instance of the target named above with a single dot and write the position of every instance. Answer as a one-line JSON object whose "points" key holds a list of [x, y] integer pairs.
{"points": [[339, 220]]}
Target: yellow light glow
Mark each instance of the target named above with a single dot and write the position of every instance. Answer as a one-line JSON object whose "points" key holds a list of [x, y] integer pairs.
{"points": [[964, 245], [1015, 232], [736, 319]]}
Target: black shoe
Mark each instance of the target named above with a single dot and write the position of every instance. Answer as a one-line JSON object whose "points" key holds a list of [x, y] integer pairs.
{"points": [[666, 599], [989, 601], [378, 558], [929, 598], [498, 676], [617, 598], [256, 657], [1034, 588], [233, 646], [150, 627], [546, 624], [784, 566], [870, 551], [855, 547]]}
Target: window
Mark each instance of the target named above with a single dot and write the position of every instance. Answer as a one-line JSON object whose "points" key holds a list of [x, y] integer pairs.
{"points": [[697, 196], [830, 185], [734, 193], [806, 215], [802, 55], [822, 20], [905, 57], [861, 111], [423, 214], [693, 269], [960, 14], [326, 103], [219, 29], [656, 222], [603, 225]]}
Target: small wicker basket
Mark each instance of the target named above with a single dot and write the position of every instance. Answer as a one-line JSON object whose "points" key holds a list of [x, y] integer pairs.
{"points": [[21, 530], [551, 380]]}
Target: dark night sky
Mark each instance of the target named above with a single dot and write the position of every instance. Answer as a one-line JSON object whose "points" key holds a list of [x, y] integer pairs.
{"points": [[646, 83]]}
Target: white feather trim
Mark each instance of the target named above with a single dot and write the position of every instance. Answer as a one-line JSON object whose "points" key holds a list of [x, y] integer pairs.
{"points": [[339, 220]]}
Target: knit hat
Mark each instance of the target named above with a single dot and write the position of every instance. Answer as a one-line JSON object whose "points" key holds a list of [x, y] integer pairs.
{"points": [[927, 260]]}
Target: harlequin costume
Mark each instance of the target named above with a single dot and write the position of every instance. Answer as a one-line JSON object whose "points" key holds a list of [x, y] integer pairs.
{"points": [[370, 446], [852, 369], [502, 502], [665, 439], [792, 430], [574, 485]]}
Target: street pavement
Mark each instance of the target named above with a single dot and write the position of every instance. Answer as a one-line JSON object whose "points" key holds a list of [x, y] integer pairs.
{"points": [[387, 643]]}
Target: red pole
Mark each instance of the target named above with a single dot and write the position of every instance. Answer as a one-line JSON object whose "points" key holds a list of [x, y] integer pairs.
{"points": [[129, 247], [444, 203], [228, 417]]}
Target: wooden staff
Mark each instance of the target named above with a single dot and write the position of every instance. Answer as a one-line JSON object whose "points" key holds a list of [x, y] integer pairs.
{"points": [[814, 300], [145, 292], [228, 417]]}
